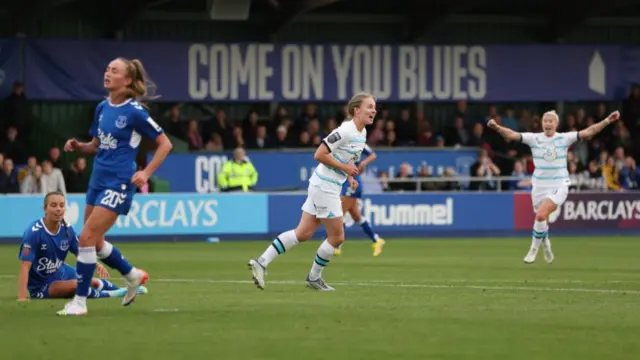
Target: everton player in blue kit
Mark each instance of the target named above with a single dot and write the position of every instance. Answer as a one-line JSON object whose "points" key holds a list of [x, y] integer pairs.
{"points": [[45, 245], [349, 197], [119, 124]]}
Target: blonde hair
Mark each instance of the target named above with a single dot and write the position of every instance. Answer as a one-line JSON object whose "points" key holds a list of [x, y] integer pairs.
{"points": [[552, 113], [356, 101], [141, 87]]}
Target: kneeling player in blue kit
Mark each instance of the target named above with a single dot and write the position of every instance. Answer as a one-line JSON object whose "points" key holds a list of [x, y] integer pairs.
{"points": [[45, 245]]}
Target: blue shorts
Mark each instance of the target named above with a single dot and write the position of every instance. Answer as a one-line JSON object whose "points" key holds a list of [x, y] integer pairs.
{"points": [[65, 273], [116, 200], [347, 191]]}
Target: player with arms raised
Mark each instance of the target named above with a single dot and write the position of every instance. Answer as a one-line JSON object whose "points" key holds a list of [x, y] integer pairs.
{"points": [[45, 246], [336, 155], [350, 196], [550, 179], [119, 124]]}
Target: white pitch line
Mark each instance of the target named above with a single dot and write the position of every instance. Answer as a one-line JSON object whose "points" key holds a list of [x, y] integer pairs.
{"points": [[403, 285], [434, 284]]}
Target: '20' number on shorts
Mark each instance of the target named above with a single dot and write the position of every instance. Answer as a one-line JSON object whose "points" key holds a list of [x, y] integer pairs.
{"points": [[113, 198]]}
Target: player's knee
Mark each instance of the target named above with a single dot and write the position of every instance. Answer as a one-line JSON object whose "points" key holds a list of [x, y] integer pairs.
{"points": [[303, 234], [542, 215], [336, 240]]}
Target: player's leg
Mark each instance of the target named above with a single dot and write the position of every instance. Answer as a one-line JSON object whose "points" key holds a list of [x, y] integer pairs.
{"points": [[543, 207], [100, 220], [304, 231], [557, 197], [329, 211], [345, 209], [378, 242]]}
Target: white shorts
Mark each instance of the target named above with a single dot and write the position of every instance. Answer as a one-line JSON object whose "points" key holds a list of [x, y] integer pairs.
{"points": [[557, 194], [322, 204]]}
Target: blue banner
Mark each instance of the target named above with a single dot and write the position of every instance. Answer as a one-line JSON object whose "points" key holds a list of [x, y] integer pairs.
{"points": [[184, 214], [9, 65], [405, 214], [311, 72], [198, 172]]}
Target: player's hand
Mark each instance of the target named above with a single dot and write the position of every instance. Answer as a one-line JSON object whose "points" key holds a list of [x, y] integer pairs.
{"points": [[614, 116], [102, 272], [350, 169], [353, 184], [71, 145], [361, 168], [492, 124], [140, 178]]}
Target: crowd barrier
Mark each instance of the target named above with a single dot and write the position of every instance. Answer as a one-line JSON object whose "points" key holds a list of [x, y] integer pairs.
{"points": [[182, 217]]}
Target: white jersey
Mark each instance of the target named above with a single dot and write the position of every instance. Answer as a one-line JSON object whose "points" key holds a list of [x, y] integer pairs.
{"points": [[550, 157], [345, 144]]}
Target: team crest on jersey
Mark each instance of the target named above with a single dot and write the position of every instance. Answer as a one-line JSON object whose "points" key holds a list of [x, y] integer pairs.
{"points": [[64, 245], [550, 154], [121, 122]]}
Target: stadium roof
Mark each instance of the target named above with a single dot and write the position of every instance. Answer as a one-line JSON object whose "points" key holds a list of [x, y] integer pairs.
{"points": [[558, 16]]}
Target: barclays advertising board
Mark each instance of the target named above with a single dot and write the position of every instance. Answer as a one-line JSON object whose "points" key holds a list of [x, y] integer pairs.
{"points": [[198, 172], [167, 214]]}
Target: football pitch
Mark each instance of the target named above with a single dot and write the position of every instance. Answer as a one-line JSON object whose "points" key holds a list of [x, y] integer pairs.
{"points": [[422, 299]]}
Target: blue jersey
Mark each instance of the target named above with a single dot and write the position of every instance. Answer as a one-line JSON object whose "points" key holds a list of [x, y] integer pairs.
{"points": [[119, 130], [46, 252], [346, 188]]}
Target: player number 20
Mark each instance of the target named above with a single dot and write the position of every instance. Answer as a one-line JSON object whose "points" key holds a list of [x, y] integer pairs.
{"points": [[112, 199]]}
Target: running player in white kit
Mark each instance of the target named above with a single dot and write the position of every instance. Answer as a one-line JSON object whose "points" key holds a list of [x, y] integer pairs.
{"points": [[550, 179], [336, 155]]}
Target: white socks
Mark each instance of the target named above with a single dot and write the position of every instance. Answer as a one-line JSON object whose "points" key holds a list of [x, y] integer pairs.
{"points": [[280, 245], [323, 256], [540, 229]]}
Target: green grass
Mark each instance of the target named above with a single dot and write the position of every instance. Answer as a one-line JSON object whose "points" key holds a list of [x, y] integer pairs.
{"points": [[435, 299]]}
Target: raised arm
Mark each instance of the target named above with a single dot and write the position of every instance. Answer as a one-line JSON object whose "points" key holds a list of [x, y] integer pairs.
{"points": [[506, 133], [594, 129]]}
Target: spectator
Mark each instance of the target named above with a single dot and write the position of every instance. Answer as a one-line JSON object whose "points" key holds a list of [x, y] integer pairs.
{"points": [[32, 162], [219, 126], [477, 139], [250, 126], [576, 178], [305, 140], [52, 178], [33, 182], [439, 141], [17, 111], [621, 135], [630, 175], [214, 143], [332, 124], [316, 141], [8, 178], [461, 111], [376, 136], [12, 147], [593, 179], [452, 184], [405, 129], [403, 180], [237, 139], [193, 136], [54, 158], [611, 174], [426, 137], [484, 168], [313, 128], [173, 123], [509, 120], [76, 178], [457, 135], [281, 137], [619, 157], [306, 116], [523, 182], [261, 140]]}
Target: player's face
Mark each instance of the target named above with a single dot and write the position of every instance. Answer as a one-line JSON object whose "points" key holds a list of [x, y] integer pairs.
{"points": [[116, 75], [367, 111], [54, 208], [549, 124]]}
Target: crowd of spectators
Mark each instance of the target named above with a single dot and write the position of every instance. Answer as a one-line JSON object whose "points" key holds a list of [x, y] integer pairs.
{"points": [[607, 162]]}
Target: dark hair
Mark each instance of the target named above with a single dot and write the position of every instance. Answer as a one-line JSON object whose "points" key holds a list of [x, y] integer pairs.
{"points": [[50, 194]]}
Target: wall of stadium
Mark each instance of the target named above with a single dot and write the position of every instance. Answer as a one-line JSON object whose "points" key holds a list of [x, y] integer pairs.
{"points": [[183, 217]]}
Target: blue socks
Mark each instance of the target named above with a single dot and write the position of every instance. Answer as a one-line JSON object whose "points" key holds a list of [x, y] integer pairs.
{"points": [[96, 294], [106, 285], [364, 224], [111, 256], [85, 268]]}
